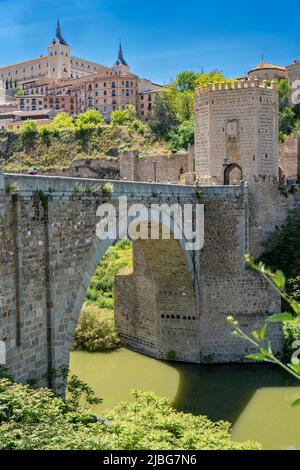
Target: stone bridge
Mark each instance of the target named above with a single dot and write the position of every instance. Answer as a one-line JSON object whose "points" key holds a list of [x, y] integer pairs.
{"points": [[175, 302]]}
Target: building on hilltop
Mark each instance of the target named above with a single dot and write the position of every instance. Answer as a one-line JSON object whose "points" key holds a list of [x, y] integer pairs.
{"points": [[62, 82], [236, 128], [58, 64]]}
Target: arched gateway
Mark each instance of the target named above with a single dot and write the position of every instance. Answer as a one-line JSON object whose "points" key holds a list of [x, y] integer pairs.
{"points": [[176, 300]]}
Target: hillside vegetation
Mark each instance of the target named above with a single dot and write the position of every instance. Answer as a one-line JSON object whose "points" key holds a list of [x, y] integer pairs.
{"points": [[50, 149], [282, 252], [96, 331]]}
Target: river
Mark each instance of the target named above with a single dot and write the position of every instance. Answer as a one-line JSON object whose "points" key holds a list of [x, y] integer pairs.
{"points": [[254, 398]]}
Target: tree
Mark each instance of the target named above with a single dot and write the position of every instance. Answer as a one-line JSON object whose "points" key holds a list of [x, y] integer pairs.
{"points": [[186, 81], [284, 92], [287, 121], [185, 104], [29, 133], [183, 136], [163, 118], [18, 92], [123, 117], [215, 76], [62, 121], [90, 118]]}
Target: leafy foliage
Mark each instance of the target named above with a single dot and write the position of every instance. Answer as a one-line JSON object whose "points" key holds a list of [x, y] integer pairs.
{"points": [[62, 121], [183, 136], [286, 121], [123, 117], [163, 118], [89, 118], [259, 339], [35, 419], [282, 248], [215, 76], [186, 81], [96, 331], [29, 133], [117, 259]]}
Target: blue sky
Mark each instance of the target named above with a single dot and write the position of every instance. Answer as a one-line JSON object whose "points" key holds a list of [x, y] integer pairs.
{"points": [[160, 38]]}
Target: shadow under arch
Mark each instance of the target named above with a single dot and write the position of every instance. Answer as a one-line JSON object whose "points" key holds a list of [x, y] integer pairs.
{"points": [[202, 385], [228, 171], [97, 251]]}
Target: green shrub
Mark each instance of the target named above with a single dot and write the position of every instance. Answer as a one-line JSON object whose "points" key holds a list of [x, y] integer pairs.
{"points": [[13, 189], [35, 419], [29, 133], [90, 118], [96, 331], [291, 333], [138, 126], [45, 135], [62, 121], [183, 136], [123, 117], [107, 189], [282, 248]]}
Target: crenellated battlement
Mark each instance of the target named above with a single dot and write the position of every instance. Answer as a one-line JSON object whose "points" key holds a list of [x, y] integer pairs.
{"points": [[237, 85]]}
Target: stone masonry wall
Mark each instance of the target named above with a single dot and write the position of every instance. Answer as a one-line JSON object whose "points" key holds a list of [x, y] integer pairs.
{"points": [[130, 167], [238, 122], [289, 158], [175, 301]]}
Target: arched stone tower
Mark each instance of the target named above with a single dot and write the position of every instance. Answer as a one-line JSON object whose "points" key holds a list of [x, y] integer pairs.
{"points": [[59, 57], [236, 132]]}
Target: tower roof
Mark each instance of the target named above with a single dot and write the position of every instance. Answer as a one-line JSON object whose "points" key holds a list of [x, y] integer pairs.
{"points": [[120, 59], [58, 36], [267, 65]]}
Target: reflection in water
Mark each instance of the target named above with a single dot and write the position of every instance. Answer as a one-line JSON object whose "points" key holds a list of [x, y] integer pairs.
{"points": [[247, 395], [113, 375]]}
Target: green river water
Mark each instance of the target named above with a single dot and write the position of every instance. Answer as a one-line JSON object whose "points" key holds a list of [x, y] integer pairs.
{"points": [[255, 398]]}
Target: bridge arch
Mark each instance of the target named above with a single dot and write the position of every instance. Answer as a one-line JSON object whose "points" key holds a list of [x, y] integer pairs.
{"points": [[155, 320]]}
